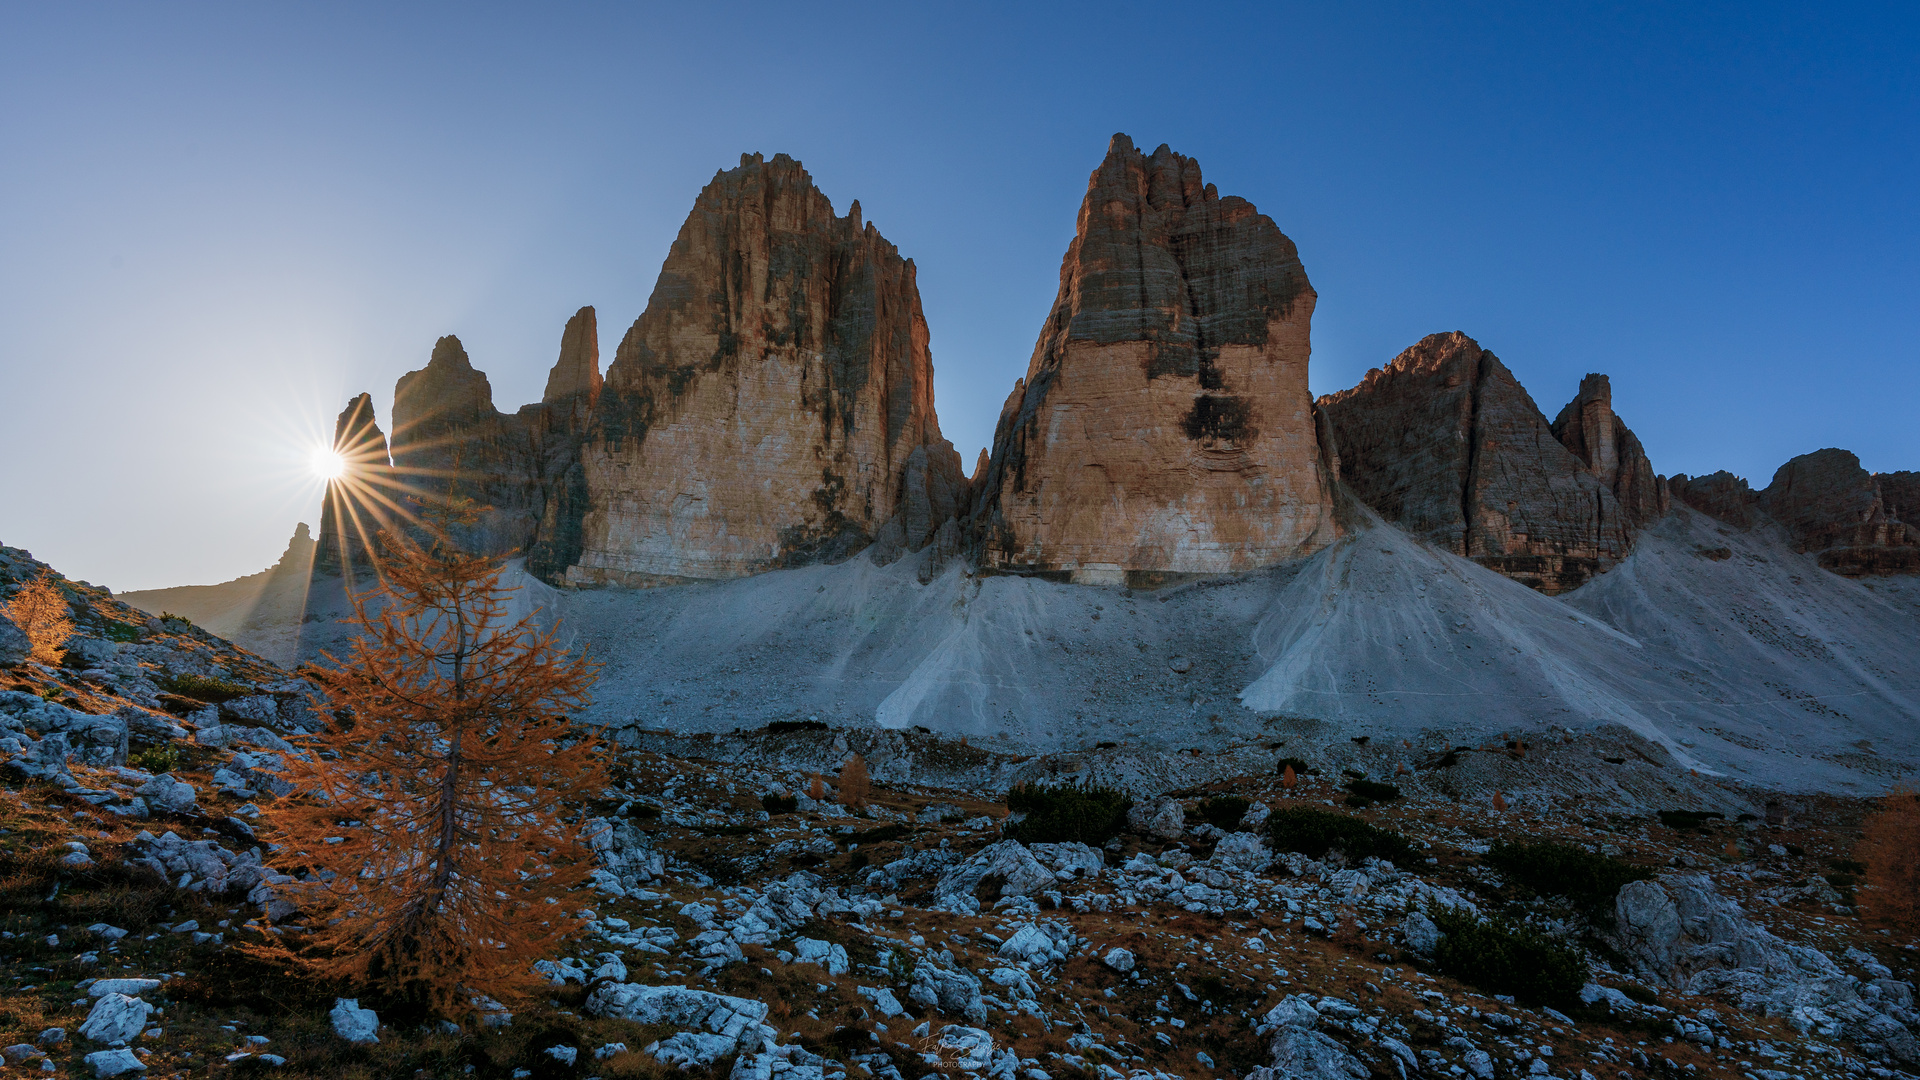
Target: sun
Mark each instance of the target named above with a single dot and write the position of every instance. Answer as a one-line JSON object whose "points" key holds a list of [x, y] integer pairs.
{"points": [[328, 465]]}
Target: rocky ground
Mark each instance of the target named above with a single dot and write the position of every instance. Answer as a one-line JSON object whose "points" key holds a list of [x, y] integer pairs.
{"points": [[910, 936]]}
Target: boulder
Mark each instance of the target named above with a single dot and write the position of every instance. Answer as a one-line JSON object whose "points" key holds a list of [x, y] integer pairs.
{"points": [[1164, 818], [115, 1019], [737, 1019], [1164, 423], [166, 794], [939, 984], [353, 1023], [15, 646], [996, 871], [825, 954], [1445, 442], [1119, 959], [105, 1063], [1242, 851]]}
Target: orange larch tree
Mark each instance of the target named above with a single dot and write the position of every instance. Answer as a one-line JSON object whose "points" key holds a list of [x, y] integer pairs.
{"points": [[439, 811], [854, 784], [41, 613], [1890, 848]]}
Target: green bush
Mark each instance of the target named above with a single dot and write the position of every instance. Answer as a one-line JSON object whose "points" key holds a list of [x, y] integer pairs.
{"points": [[206, 688], [1299, 767], [1314, 832], [1224, 811], [779, 804], [1589, 880], [1367, 792], [119, 631], [1688, 819], [1501, 957], [156, 759], [788, 727], [1068, 813]]}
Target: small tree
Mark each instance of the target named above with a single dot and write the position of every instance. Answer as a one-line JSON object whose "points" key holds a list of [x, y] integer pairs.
{"points": [[853, 782], [1890, 848], [430, 810], [41, 612]]}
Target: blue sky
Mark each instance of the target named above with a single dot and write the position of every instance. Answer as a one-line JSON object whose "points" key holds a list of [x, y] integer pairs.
{"points": [[218, 222]]}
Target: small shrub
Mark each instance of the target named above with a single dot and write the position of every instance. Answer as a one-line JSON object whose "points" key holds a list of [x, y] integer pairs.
{"points": [[774, 804], [1314, 832], [1225, 811], [156, 759], [880, 834], [207, 688], [1501, 957], [1371, 791], [1299, 767], [119, 631], [1688, 819], [787, 727], [1589, 880], [1640, 994], [853, 783], [1067, 814]]}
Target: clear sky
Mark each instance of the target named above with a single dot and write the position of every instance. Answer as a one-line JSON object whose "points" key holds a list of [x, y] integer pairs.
{"points": [[219, 221]]}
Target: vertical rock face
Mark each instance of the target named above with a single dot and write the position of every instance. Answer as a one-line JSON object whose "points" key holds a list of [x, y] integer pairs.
{"points": [[449, 440], [358, 503], [1900, 492], [576, 375], [1832, 506], [1720, 495], [1596, 435], [1446, 442], [1164, 424], [767, 407]]}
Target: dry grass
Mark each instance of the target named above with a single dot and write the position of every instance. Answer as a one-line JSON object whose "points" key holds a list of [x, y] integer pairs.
{"points": [[1890, 848]]}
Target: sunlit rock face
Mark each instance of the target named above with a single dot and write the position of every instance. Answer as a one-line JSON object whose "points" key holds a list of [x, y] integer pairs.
{"points": [[767, 407], [1447, 443], [1164, 424]]}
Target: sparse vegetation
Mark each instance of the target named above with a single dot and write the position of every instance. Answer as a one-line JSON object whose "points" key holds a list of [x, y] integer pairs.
{"points": [[1889, 857], [1502, 957], [1067, 813], [208, 688], [1314, 832], [156, 759], [1688, 819], [1588, 879], [854, 783]]}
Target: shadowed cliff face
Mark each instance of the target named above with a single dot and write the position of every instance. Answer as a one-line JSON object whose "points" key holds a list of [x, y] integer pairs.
{"points": [[1596, 435], [1832, 506], [765, 409], [356, 504], [1164, 424], [1446, 442]]}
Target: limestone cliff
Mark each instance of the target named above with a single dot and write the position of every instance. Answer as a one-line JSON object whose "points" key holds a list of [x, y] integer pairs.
{"points": [[449, 440], [774, 403], [360, 502], [1596, 435], [1832, 506], [1446, 442], [1721, 495], [1164, 424]]}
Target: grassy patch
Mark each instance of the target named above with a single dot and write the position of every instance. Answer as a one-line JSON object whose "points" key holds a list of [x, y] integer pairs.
{"points": [[1362, 792], [210, 689], [1314, 832], [1501, 957], [1069, 813]]}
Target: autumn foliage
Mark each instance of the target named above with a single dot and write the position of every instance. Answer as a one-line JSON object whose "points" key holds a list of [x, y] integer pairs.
{"points": [[433, 812], [41, 612], [1890, 848], [854, 786]]}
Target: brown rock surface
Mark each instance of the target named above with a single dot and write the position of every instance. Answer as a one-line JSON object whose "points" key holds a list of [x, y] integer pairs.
{"points": [[1720, 495], [360, 502], [1900, 493], [1830, 505], [1596, 435], [1164, 424], [1446, 442], [448, 439], [767, 407], [577, 373]]}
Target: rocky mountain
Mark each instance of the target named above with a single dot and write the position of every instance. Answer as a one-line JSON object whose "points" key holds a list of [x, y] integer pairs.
{"points": [[774, 403], [1597, 436], [1830, 505], [1164, 423], [360, 502], [1445, 442]]}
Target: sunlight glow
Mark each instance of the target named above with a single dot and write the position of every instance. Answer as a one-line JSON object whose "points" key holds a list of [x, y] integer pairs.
{"points": [[329, 465]]}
